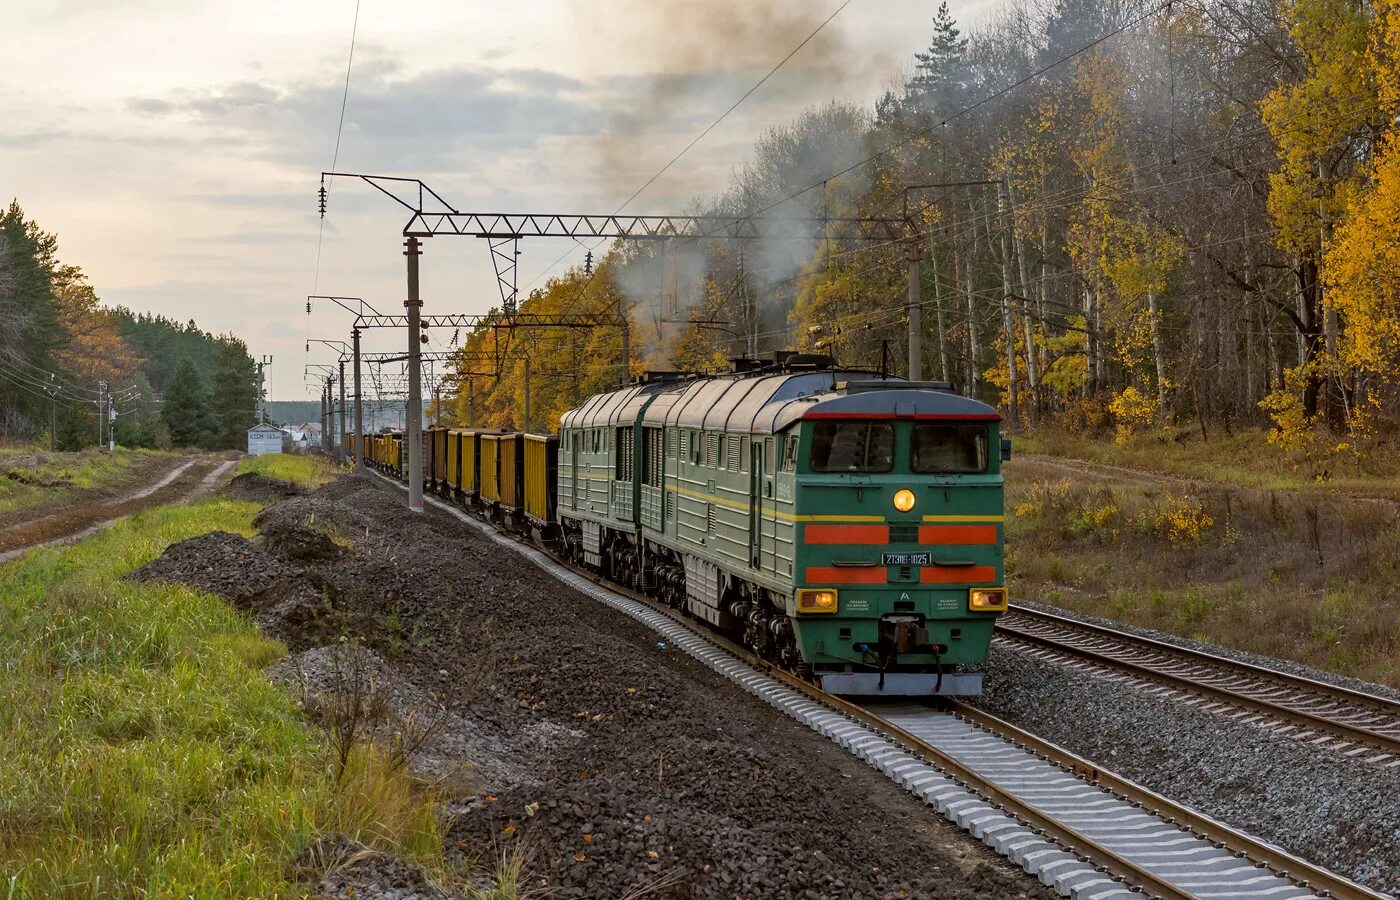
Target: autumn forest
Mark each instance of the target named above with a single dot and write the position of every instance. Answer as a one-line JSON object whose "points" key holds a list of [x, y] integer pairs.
{"points": [[1149, 220]]}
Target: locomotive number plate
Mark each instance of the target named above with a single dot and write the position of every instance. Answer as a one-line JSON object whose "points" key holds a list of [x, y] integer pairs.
{"points": [[904, 559]]}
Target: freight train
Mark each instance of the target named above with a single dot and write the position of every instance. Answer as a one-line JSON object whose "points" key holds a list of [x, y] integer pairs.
{"points": [[844, 525]]}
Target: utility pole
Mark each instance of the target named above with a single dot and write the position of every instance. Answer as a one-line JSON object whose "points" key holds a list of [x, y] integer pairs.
{"points": [[414, 305], [913, 251], [471, 402], [341, 448], [359, 409], [626, 333], [52, 391], [527, 394], [101, 410], [1007, 319], [330, 415], [262, 412], [111, 425]]}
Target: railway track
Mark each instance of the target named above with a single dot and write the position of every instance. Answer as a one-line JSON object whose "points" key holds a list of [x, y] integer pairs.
{"points": [[1078, 828], [1353, 723]]}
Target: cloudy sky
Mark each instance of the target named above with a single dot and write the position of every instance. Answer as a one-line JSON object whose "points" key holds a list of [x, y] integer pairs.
{"points": [[175, 146]]}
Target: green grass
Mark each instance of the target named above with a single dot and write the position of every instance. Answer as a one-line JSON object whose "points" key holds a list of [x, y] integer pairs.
{"points": [[311, 471], [50, 475], [144, 752], [1244, 458]]}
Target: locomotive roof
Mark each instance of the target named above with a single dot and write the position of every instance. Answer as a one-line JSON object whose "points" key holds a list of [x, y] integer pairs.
{"points": [[771, 403]]}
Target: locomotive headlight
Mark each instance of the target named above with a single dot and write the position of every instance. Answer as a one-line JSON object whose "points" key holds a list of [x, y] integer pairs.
{"points": [[986, 600], [903, 499], [823, 601]]}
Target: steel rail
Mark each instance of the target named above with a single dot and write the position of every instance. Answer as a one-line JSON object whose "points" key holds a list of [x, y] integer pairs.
{"points": [[1068, 837], [1333, 690], [1302, 872], [1311, 720], [1289, 865]]}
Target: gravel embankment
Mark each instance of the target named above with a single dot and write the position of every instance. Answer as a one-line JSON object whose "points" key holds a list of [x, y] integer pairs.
{"points": [[623, 767], [1337, 812], [1288, 666]]}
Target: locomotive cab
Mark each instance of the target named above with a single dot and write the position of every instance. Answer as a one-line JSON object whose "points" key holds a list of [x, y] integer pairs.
{"points": [[898, 576]]}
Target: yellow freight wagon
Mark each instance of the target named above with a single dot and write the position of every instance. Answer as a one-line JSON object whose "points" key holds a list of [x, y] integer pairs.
{"points": [[490, 447], [453, 484], [512, 470], [541, 478]]}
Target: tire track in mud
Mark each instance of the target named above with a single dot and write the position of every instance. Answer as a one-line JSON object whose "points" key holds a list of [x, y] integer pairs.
{"points": [[188, 481]]}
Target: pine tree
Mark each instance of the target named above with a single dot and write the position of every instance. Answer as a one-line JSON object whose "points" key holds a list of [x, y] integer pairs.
{"points": [[29, 324], [235, 394], [939, 80], [186, 410]]}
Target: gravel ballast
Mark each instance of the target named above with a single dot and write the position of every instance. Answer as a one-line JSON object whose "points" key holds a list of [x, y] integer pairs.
{"points": [[619, 764], [1340, 813]]}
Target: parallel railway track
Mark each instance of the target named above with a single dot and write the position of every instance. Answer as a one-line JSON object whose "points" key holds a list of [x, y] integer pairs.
{"points": [[1084, 831], [1353, 723]]}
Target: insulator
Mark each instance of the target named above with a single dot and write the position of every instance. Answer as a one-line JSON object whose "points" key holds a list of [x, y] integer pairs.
{"points": [[308, 307], [321, 200]]}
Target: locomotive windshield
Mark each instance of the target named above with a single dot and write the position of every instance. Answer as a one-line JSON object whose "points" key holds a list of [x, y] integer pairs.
{"points": [[948, 448], [852, 447]]}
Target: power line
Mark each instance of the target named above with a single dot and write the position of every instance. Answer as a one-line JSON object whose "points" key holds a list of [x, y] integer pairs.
{"points": [[734, 106], [335, 156], [701, 136]]}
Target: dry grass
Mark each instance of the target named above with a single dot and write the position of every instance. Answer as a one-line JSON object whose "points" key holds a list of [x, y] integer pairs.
{"points": [[1310, 576], [1242, 458]]}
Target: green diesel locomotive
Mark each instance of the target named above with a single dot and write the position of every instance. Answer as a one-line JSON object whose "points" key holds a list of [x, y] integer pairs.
{"points": [[845, 525]]}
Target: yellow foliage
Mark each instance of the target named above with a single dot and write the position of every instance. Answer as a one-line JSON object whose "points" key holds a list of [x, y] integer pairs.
{"points": [[1103, 518], [1363, 270], [1133, 411], [1293, 430], [1183, 520], [1317, 119]]}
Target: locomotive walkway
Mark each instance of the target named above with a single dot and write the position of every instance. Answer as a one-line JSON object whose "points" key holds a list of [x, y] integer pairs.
{"points": [[1078, 828]]}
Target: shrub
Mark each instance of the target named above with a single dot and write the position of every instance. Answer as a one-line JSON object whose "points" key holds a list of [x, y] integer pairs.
{"points": [[1047, 500], [1133, 412], [1182, 520], [1084, 414]]}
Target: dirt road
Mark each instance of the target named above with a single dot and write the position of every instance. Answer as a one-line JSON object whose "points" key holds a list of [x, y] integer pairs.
{"points": [[187, 478]]}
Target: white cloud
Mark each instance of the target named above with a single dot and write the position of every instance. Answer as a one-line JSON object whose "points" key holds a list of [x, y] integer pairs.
{"points": [[175, 146]]}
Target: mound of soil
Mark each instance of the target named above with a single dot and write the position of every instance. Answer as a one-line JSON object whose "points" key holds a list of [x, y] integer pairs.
{"points": [[308, 530], [355, 872], [261, 489], [284, 602]]}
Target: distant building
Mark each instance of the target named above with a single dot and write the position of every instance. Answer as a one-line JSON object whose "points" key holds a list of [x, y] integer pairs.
{"points": [[304, 436], [264, 439]]}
